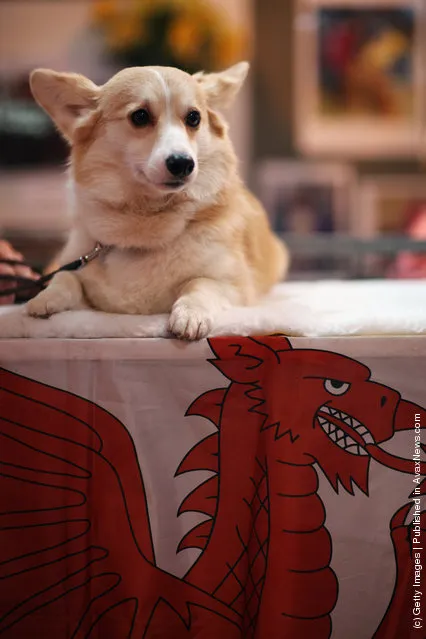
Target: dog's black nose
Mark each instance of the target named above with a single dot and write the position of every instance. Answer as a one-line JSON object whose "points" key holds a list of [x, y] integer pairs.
{"points": [[180, 166]]}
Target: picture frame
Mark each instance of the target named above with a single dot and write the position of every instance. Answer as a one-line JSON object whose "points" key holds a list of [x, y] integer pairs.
{"points": [[393, 207], [387, 203], [307, 200], [359, 81]]}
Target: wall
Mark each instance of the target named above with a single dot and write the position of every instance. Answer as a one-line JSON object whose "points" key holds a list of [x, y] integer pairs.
{"points": [[273, 78]]}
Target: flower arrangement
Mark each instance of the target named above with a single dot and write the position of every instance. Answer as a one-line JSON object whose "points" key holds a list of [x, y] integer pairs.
{"points": [[192, 35]]}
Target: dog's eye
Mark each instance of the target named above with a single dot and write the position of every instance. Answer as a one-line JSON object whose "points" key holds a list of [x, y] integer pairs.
{"points": [[140, 118], [193, 119]]}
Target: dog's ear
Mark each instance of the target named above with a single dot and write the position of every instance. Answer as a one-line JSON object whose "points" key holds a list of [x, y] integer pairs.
{"points": [[221, 88], [67, 97]]}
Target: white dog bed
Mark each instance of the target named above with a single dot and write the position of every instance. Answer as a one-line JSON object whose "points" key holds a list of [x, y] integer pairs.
{"points": [[324, 309]]}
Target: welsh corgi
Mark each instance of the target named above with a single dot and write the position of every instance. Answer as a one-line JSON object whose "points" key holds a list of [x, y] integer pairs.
{"points": [[154, 182]]}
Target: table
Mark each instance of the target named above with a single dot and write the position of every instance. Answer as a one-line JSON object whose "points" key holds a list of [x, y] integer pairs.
{"points": [[238, 487]]}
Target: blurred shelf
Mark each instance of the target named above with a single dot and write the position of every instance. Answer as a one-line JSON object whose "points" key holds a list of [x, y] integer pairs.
{"points": [[336, 245]]}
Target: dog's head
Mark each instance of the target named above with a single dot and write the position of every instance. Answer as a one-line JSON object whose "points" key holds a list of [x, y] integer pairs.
{"points": [[153, 129]]}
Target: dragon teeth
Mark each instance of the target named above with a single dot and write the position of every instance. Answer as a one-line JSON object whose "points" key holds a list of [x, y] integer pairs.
{"points": [[346, 442], [355, 449], [340, 435], [342, 439], [350, 421]]}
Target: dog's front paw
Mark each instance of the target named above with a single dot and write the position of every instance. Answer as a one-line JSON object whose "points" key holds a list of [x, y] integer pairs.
{"points": [[187, 322], [48, 303]]}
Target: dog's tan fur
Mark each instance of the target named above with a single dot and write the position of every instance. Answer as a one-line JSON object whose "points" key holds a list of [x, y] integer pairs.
{"points": [[190, 251]]}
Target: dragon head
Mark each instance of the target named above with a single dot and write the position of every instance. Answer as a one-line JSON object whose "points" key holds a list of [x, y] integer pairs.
{"points": [[321, 407]]}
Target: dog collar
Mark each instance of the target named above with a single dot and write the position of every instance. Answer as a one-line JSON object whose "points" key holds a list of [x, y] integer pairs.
{"points": [[81, 261], [94, 253]]}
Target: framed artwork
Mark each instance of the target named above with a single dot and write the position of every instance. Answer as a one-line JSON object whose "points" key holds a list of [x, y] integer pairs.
{"points": [[306, 200], [387, 204], [395, 207], [360, 77]]}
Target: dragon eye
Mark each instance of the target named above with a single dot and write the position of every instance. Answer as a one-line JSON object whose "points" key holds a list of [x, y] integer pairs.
{"points": [[335, 387], [140, 118], [193, 119]]}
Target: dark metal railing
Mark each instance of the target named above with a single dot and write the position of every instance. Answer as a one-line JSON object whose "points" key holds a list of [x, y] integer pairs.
{"points": [[323, 256], [337, 245]]}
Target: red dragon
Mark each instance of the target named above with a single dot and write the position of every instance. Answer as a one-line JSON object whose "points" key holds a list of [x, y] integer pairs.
{"points": [[76, 553]]}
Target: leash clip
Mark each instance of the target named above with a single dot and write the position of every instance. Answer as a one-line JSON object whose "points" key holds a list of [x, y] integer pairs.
{"points": [[85, 259]]}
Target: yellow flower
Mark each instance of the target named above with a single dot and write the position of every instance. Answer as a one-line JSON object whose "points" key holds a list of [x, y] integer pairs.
{"points": [[205, 14], [184, 38], [230, 47], [104, 11], [124, 33], [198, 27], [151, 7]]}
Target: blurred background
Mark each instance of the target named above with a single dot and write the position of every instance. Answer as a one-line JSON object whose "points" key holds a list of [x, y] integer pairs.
{"points": [[330, 128]]}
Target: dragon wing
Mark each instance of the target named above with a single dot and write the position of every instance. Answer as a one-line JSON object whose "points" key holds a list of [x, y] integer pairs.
{"points": [[76, 554]]}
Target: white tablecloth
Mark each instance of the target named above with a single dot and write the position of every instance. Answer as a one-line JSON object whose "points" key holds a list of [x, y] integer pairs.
{"points": [[321, 309]]}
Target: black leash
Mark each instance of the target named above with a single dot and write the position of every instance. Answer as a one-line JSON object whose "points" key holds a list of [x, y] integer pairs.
{"points": [[27, 287]]}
